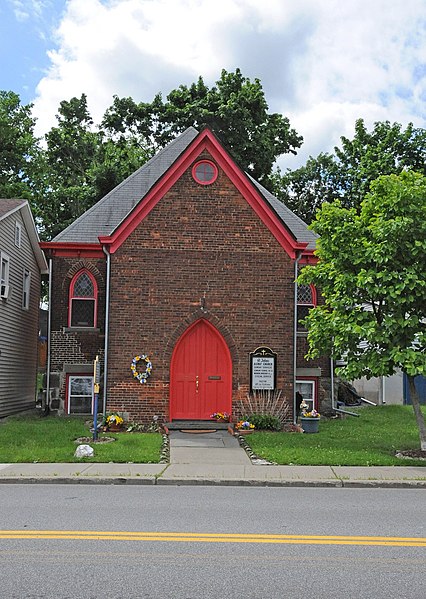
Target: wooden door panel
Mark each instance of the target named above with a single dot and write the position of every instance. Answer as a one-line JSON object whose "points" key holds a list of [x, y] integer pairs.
{"points": [[201, 370]]}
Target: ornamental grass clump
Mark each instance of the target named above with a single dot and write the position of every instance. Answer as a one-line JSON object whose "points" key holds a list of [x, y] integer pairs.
{"points": [[266, 409]]}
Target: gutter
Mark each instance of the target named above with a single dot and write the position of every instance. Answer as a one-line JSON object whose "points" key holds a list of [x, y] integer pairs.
{"points": [[107, 293]]}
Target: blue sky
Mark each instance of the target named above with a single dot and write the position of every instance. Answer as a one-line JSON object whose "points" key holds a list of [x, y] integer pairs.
{"points": [[26, 36], [321, 63]]}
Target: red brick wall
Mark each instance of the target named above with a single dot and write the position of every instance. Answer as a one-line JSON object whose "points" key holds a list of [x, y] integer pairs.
{"points": [[202, 252], [68, 346], [198, 242]]}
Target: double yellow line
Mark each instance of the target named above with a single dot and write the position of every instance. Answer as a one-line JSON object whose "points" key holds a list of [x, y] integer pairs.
{"points": [[193, 537]]}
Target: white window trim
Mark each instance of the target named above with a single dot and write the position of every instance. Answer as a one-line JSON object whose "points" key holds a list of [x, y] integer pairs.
{"points": [[4, 280], [26, 289], [78, 376], [302, 381], [18, 234]]}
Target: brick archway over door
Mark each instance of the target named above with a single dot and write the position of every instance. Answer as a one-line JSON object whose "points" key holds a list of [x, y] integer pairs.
{"points": [[200, 374]]}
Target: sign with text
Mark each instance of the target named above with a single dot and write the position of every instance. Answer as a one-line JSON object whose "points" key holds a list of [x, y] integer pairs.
{"points": [[263, 369]]}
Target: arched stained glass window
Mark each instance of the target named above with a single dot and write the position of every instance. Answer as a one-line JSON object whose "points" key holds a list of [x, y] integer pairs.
{"points": [[83, 300]]}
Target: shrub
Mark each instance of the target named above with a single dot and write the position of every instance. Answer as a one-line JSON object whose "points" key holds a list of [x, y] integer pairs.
{"points": [[265, 422]]}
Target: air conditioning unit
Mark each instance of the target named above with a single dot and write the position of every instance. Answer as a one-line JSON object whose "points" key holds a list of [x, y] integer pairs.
{"points": [[4, 291]]}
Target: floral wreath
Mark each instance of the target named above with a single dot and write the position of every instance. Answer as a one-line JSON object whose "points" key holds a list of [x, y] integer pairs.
{"points": [[141, 376]]}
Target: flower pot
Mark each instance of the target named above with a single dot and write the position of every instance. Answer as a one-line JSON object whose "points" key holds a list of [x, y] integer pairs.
{"points": [[245, 431], [310, 425], [115, 428]]}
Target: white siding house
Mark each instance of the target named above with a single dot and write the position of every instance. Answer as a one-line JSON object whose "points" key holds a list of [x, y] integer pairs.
{"points": [[21, 265]]}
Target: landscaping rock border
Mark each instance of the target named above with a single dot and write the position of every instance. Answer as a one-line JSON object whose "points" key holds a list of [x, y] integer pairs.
{"points": [[254, 458], [165, 449], [98, 440]]}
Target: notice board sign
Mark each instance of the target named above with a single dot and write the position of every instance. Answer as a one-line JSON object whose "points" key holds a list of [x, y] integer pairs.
{"points": [[263, 369]]}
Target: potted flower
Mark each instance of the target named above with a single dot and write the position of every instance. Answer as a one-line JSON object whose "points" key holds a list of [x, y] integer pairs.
{"points": [[310, 419], [220, 416], [114, 422], [244, 427]]}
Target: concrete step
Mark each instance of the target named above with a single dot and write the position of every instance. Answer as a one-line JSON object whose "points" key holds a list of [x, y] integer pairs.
{"points": [[195, 425]]}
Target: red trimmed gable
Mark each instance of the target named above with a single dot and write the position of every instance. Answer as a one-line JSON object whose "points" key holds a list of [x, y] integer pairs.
{"points": [[206, 141]]}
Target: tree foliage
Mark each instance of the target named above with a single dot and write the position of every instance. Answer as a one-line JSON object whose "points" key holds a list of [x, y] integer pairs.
{"points": [[79, 166], [348, 173], [372, 275], [235, 109], [18, 147]]}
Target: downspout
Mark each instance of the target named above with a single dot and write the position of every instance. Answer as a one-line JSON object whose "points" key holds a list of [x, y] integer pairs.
{"points": [[107, 290], [49, 332], [296, 274]]}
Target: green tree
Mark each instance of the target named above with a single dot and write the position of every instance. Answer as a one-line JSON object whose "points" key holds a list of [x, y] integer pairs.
{"points": [[372, 275], [235, 109], [80, 165], [348, 173], [18, 146], [305, 189]]}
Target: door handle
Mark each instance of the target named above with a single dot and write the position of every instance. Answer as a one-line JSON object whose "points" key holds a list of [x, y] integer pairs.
{"points": [[196, 383]]}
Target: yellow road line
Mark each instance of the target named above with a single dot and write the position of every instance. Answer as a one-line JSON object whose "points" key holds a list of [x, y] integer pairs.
{"points": [[192, 537]]}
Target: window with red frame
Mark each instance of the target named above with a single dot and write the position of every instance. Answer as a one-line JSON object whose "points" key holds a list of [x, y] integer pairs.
{"points": [[83, 300], [205, 172], [306, 299], [308, 390]]}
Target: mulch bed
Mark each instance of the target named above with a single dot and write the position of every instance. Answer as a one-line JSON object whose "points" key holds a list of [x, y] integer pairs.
{"points": [[83, 440], [412, 454]]}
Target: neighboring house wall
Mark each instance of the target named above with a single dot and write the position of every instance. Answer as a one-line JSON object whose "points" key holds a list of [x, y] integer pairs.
{"points": [[387, 389], [18, 323], [420, 382]]}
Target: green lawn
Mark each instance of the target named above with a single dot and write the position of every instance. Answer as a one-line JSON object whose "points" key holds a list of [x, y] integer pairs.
{"points": [[370, 440], [30, 438]]}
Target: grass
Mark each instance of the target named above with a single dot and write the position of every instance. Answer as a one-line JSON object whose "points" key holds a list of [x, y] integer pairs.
{"points": [[30, 438], [370, 440]]}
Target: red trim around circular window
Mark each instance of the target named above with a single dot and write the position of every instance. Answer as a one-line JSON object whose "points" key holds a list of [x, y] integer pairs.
{"points": [[204, 172]]}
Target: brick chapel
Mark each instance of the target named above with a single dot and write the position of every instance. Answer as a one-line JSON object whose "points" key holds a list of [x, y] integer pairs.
{"points": [[182, 281]]}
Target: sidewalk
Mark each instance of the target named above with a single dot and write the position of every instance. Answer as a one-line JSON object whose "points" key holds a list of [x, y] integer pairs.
{"points": [[214, 459]]}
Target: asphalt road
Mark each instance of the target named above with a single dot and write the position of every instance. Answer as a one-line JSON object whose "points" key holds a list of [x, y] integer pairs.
{"points": [[205, 542]]}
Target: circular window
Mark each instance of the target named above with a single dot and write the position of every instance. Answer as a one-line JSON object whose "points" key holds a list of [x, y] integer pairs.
{"points": [[205, 172]]}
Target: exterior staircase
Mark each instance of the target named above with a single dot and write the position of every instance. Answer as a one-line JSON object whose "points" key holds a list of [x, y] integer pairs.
{"points": [[195, 425]]}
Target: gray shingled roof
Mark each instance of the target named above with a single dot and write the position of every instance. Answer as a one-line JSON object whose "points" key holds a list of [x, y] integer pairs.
{"points": [[105, 216], [7, 205], [296, 225]]}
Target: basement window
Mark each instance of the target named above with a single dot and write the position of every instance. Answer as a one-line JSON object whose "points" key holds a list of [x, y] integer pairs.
{"points": [[80, 394]]}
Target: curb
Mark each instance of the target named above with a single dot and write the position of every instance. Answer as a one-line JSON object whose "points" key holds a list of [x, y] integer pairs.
{"points": [[158, 481]]}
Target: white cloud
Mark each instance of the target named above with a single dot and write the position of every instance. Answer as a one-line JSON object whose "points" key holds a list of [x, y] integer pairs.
{"points": [[26, 9], [323, 64]]}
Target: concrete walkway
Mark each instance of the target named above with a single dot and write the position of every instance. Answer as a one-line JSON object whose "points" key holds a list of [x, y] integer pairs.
{"points": [[213, 448], [214, 459]]}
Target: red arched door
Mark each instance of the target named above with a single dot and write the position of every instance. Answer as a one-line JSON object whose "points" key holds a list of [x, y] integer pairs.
{"points": [[200, 374]]}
